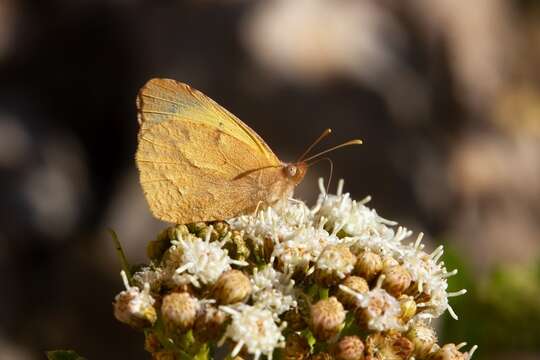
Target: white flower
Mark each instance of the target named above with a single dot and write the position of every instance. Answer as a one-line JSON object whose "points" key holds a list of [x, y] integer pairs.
{"points": [[430, 275], [268, 277], [272, 290], [382, 309], [273, 223], [303, 247], [253, 328], [202, 261], [353, 217], [132, 303]]}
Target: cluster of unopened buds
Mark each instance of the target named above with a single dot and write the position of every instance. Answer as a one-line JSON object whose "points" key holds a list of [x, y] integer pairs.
{"points": [[335, 281]]}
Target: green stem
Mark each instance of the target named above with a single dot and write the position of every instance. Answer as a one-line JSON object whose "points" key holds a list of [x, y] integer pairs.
{"points": [[120, 253], [323, 293]]}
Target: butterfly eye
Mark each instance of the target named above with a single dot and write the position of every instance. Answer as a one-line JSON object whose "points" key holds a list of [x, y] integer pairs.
{"points": [[291, 170]]}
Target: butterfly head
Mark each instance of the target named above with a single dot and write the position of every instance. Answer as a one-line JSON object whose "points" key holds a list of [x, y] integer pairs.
{"points": [[295, 172]]}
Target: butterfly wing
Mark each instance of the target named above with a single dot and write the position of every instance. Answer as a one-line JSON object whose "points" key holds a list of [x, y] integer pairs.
{"points": [[196, 159]]}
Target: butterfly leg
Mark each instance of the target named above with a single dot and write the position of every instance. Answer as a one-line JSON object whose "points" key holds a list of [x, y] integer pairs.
{"points": [[257, 207]]}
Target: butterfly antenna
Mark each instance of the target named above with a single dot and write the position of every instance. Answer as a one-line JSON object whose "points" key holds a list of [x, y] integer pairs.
{"points": [[324, 134], [331, 171], [350, 142]]}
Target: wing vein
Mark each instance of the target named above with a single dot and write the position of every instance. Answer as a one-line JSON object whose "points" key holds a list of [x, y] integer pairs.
{"points": [[158, 112], [159, 162], [162, 99]]}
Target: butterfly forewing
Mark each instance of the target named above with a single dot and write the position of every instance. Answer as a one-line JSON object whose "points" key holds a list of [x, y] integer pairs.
{"points": [[192, 154]]}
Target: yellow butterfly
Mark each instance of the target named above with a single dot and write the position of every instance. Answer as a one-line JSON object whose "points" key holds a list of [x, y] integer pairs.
{"points": [[198, 162]]}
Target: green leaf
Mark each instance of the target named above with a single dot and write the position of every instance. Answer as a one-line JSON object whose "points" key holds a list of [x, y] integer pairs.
{"points": [[63, 355], [120, 253]]}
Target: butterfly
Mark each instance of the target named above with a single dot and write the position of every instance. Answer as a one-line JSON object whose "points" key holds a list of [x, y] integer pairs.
{"points": [[198, 162]]}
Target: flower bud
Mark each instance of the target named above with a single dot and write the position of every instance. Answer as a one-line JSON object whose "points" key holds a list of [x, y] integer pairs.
{"points": [[209, 325], [179, 311], [327, 317], [402, 346], [334, 263], [368, 265], [423, 337], [209, 230], [448, 352], [237, 246], [231, 287], [221, 227], [196, 228], [296, 348], [156, 248], [356, 283], [349, 348], [389, 262], [408, 308], [397, 280], [388, 346]]}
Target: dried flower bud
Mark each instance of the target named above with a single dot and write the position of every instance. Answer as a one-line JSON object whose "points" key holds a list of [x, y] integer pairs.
{"points": [[402, 346], [423, 337], [334, 263], [321, 356], [408, 308], [135, 307], [295, 320], [449, 352], [355, 283], [209, 325], [349, 348], [388, 346], [296, 348], [179, 311], [397, 280], [368, 265], [232, 286], [327, 317]]}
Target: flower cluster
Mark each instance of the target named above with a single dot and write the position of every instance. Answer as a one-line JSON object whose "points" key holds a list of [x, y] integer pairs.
{"points": [[335, 281]]}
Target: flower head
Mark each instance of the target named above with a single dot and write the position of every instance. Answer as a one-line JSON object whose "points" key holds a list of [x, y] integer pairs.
{"points": [[255, 329], [291, 265], [202, 261], [135, 307]]}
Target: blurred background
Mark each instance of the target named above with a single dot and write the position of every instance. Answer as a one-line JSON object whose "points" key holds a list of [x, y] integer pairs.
{"points": [[445, 94]]}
